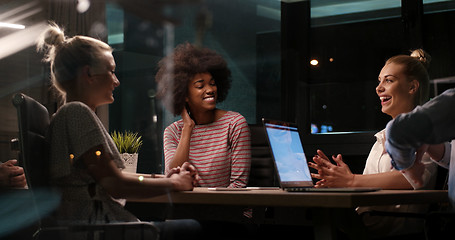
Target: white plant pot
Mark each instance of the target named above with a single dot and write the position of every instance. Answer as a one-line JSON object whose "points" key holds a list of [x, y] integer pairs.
{"points": [[130, 161]]}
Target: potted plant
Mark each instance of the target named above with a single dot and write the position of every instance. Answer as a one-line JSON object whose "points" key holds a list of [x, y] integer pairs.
{"points": [[128, 145]]}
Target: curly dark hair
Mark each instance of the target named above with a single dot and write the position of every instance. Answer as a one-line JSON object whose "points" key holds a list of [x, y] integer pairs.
{"points": [[176, 70]]}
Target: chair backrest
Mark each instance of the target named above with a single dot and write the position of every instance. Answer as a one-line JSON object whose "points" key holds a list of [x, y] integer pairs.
{"points": [[262, 173], [33, 121]]}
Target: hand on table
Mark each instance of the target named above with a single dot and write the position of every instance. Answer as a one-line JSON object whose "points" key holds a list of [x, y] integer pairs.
{"points": [[186, 170]]}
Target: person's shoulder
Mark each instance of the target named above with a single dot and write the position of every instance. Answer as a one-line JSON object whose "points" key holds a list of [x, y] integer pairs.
{"points": [[380, 134], [74, 106], [235, 119], [73, 110], [235, 116], [175, 126], [231, 114], [450, 92]]}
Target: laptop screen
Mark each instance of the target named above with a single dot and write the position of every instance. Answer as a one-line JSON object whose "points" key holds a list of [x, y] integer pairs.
{"points": [[288, 153]]}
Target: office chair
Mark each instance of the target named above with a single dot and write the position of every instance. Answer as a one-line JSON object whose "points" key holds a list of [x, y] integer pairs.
{"points": [[439, 220], [262, 171], [33, 121]]}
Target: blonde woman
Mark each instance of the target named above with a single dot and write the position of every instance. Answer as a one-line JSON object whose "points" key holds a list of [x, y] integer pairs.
{"points": [[403, 83], [84, 162]]}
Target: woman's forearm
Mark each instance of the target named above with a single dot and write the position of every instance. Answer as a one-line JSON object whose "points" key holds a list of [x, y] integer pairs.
{"points": [[119, 185], [129, 186], [182, 152], [386, 180]]}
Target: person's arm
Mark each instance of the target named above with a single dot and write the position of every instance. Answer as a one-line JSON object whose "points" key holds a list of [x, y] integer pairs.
{"points": [[432, 123], [385, 180], [144, 175], [102, 168], [240, 154], [440, 153], [418, 174], [437, 152], [177, 155], [339, 175], [188, 167]]}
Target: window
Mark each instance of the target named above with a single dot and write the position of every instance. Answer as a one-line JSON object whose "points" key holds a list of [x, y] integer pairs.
{"points": [[350, 41]]}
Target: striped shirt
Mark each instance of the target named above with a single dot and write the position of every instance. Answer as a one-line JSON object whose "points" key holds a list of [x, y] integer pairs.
{"points": [[220, 151]]}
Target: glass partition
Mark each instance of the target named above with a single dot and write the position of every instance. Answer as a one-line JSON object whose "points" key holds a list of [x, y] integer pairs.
{"points": [[244, 32], [342, 83], [349, 44]]}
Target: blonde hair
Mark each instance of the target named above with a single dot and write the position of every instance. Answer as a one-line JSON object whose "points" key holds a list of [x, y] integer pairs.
{"points": [[68, 55], [416, 67]]}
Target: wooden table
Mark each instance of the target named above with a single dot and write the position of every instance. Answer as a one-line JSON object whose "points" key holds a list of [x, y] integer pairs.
{"points": [[288, 208]]}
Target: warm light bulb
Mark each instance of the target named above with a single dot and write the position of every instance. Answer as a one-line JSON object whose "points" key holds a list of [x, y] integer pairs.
{"points": [[314, 62], [141, 178], [98, 153], [71, 158]]}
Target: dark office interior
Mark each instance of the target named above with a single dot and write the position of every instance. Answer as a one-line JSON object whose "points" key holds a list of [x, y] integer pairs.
{"points": [[311, 62], [268, 45]]}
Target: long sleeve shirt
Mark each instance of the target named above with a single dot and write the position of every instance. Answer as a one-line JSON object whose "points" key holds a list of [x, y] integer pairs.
{"points": [[432, 123], [220, 151]]}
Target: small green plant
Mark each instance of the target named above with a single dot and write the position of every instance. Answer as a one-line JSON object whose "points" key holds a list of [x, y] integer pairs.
{"points": [[127, 142]]}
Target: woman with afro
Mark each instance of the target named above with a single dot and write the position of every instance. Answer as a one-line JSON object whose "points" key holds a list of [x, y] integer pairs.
{"points": [[191, 82]]}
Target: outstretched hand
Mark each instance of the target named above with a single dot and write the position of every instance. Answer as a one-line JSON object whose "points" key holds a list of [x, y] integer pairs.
{"points": [[331, 175]]}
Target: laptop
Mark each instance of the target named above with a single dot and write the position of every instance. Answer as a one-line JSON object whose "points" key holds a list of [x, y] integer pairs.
{"points": [[290, 160]]}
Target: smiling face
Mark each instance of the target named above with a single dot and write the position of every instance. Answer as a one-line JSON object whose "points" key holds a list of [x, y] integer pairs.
{"points": [[104, 80], [395, 90], [202, 93]]}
